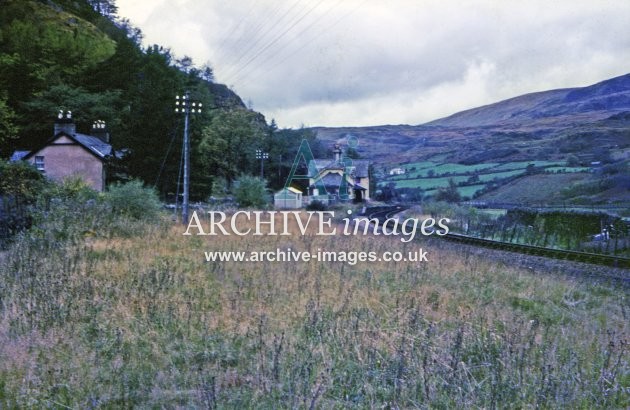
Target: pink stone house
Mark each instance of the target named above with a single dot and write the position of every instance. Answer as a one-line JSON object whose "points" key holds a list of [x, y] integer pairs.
{"points": [[71, 154]]}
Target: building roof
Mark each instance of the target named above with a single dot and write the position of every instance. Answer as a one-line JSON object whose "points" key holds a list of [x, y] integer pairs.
{"points": [[18, 155], [93, 145], [334, 181], [360, 166], [289, 189], [331, 180]]}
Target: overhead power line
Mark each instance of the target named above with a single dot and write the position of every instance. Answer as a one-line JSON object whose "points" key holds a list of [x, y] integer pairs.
{"points": [[274, 41], [234, 29], [258, 35], [303, 44]]}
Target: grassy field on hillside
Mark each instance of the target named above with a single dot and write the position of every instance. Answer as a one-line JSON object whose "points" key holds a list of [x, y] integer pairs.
{"points": [[133, 315], [429, 176], [523, 164], [533, 188], [464, 191], [429, 183]]}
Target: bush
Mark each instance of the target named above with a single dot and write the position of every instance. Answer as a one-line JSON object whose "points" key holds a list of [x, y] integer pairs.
{"points": [[617, 168], [251, 191], [20, 180], [316, 206], [448, 194], [20, 184], [572, 161], [71, 189], [133, 199]]}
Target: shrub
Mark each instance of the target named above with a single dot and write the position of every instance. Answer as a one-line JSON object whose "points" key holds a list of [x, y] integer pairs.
{"points": [[70, 189], [572, 161], [133, 199], [20, 184], [316, 206], [617, 168], [251, 191], [449, 194], [219, 187], [20, 180]]}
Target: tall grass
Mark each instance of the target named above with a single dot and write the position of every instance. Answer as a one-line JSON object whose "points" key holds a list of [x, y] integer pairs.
{"points": [[122, 313]]}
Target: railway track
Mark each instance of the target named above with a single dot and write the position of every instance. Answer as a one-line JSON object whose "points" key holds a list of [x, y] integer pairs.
{"points": [[586, 257], [382, 213]]}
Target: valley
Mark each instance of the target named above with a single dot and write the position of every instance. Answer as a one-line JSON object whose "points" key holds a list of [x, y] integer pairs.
{"points": [[574, 139]]}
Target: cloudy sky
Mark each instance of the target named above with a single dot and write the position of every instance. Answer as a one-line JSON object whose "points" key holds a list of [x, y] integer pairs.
{"points": [[372, 62]]}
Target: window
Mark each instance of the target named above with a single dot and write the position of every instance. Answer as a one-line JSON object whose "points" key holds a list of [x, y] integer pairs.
{"points": [[39, 163]]}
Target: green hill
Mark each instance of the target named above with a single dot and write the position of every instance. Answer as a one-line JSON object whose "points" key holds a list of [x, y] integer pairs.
{"points": [[77, 56]]}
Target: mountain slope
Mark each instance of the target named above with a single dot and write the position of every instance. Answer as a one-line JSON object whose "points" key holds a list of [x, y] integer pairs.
{"points": [[600, 100], [542, 125]]}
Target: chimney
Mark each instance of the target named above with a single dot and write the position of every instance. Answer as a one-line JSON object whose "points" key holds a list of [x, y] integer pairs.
{"points": [[99, 130], [64, 123], [337, 153]]}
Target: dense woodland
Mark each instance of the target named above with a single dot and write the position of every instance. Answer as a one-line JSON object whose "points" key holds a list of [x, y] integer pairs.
{"points": [[80, 56]]}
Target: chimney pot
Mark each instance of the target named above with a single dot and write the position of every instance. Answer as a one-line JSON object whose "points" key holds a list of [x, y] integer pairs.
{"points": [[65, 124], [99, 130], [337, 152]]}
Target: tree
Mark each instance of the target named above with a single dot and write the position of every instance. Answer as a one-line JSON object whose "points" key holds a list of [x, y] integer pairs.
{"points": [[228, 145], [133, 199], [251, 191], [352, 153], [449, 194], [20, 185], [86, 107], [530, 169], [21, 180], [372, 176], [75, 55], [184, 64], [283, 145], [572, 160], [8, 130], [388, 192], [473, 179], [105, 7], [207, 73]]}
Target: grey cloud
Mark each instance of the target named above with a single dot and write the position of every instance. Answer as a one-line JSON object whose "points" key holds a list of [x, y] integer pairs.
{"points": [[396, 61]]}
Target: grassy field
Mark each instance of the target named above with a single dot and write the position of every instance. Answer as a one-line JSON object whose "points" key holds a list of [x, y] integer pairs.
{"points": [[534, 188], [464, 191], [131, 315], [429, 183], [567, 169], [523, 164], [429, 176], [462, 169]]}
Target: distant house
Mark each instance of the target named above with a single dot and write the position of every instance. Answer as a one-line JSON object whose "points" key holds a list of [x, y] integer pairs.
{"points": [[341, 179], [288, 198], [396, 171], [68, 153]]}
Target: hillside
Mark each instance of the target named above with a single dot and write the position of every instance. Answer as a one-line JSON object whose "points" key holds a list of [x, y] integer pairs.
{"points": [[573, 120], [78, 56], [574, 126], [595, 102]]}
